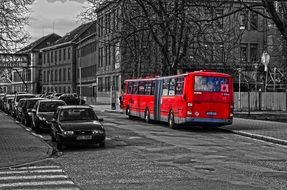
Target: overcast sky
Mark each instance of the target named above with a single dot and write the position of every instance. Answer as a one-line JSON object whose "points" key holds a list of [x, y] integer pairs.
{"points": [[58, 14]]}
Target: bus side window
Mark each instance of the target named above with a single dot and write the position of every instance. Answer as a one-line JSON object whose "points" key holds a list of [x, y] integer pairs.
{"points": [[135, 88], [147, 88], [141, 87], [179, 86], [130, 87], [171, 90], [165, 87], [152, 87]]}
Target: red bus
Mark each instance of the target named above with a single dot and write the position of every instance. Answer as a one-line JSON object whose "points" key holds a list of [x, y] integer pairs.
{"points": [[202, 98]]}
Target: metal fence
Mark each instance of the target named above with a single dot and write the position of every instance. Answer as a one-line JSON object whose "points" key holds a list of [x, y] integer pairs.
{"points": [[260, 101]]}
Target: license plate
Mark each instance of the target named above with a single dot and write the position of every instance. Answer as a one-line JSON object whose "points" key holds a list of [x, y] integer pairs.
{"points": [[84, 137], [211, 113]]}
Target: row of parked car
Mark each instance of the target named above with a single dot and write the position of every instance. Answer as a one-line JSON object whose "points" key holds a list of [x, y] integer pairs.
{"points": [[62, 115]]}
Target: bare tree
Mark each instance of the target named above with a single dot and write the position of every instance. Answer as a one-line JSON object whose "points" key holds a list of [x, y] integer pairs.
{"points": [[13, 17]]}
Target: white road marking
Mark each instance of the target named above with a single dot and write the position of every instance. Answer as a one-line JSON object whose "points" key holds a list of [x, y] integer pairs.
{"points": [[38, 183], [31, 171], [33, 177], [36, 177], [35, 167]]}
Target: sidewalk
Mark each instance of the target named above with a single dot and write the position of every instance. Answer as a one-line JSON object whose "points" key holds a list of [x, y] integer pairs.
{"points": [[18, 146]]}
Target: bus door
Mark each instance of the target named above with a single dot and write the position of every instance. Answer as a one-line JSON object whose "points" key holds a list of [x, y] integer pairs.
{"points": [[157, 99]]}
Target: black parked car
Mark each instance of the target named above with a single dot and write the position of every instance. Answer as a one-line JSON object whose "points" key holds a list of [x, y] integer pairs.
{"points": [[18, 109], [17, 98], [77, 124], [26, 112], [42, 113]]}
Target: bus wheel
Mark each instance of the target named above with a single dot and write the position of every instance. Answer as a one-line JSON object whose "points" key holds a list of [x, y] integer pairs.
{"points": [[147, 116], [128, 113], [171, 123]]}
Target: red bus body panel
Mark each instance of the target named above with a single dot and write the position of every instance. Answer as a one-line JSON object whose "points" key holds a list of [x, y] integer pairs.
{"points": [[193, 107]]}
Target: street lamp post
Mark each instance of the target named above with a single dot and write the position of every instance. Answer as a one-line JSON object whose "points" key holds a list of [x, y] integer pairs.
{"points": [[239, 88], [80, 78]]}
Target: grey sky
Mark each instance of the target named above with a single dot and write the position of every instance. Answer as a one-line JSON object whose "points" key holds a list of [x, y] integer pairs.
{"points": [[58, 16]]}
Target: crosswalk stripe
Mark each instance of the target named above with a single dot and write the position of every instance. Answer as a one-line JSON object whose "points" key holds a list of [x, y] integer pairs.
{"points": [[31, 171], [38, 183], [60, 188], [33, 177], [36, 177]]}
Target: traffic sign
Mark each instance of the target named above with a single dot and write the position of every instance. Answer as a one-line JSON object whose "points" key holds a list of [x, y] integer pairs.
{"points": [[265, 58]]}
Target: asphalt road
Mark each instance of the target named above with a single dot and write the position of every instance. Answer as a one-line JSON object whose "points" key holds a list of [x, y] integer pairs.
{"points": [[152, 156]]}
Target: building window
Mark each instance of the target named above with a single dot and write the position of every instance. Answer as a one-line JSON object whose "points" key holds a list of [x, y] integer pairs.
{"points": [[44, 76], [52, 57], [253, 52], [56, 75], [243, 20], [69, 53], [219, 21], [48, 76], [56, 55], [48, 57], [243, 52], [107, 84], [116, 83], [52, 75], [253, 21], [100, 84], [60, 54], [64, 74], [44, 57], [64, 52], [69, 74], [106, 55], [60, 74]]}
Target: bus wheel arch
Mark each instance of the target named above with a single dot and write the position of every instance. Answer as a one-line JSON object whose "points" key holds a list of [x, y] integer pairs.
{"points": [[128, 112], [147, 115], [171, 123]]}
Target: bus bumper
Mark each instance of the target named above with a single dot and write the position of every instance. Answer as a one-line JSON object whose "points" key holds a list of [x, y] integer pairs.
{"points": [[206, 121]]}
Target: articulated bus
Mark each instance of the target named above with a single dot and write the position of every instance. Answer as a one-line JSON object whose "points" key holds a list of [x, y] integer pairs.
{"points": [[200, 98]]}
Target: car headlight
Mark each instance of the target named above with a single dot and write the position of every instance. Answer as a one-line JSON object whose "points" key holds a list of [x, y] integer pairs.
{"points": [[68, 132], [42, 118], [98, 132]]}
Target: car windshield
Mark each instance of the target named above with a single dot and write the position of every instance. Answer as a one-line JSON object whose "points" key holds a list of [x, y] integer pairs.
{"points": [[211, 84], [75, 114], [50, 106], [30, 103]]}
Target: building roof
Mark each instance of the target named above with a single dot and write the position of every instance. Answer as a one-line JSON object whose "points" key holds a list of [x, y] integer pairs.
{"points": [[40, 43], [75, 34]]}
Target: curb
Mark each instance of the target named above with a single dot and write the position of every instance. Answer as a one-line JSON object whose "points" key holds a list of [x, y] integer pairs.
{"points": [[258, 137], [114, 111]]}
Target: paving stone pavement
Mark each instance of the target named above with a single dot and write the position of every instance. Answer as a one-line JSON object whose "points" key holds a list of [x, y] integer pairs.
{"points": [[18, 146]]}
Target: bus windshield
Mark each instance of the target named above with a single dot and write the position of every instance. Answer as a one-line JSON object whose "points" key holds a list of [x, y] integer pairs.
{"points": [[211, 84]]}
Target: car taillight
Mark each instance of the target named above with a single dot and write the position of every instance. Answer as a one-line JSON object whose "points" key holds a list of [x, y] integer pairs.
{"points": [[189, 109]]}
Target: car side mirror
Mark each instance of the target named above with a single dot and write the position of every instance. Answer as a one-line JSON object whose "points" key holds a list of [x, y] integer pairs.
{"points": [[33, 110], [101, 119]]}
